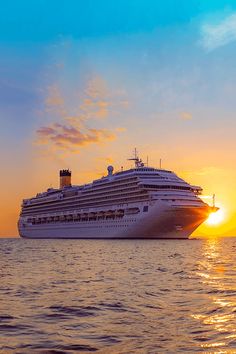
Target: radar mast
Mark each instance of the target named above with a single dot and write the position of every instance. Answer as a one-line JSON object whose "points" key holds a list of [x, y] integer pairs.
{"points": [[137, 161]]}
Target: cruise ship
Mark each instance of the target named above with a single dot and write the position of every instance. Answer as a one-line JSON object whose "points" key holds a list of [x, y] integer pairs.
{"points": [[141, 202]]}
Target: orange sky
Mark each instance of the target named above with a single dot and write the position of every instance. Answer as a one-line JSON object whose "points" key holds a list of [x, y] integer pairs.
{"points": [[202, 156], [91, 163], [160, 78]]}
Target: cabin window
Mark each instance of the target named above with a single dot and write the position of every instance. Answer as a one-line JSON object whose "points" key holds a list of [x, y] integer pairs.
{"points": [[145, 208]]}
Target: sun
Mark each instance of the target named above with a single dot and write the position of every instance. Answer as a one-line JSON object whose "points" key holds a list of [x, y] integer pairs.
{"points": [[216, 218]]}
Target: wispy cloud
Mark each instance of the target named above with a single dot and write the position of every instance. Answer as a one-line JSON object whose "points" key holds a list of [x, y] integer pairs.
{"points": [[186, 115], [94, 102], [97, 101], [215, 35], [205, 171], [108, 159], [54, 98], [69, 137], [71, 126]]}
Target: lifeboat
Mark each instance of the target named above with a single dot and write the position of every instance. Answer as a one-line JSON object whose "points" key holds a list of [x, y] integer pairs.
{"points": [[101, 215], [69, 217], [76, 217], [119, 213], [110, 214], [131, 211], [38, 221], [92, 216], [84, 217]]}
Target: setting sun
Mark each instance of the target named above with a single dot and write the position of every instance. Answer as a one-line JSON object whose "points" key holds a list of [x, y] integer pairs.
{"points": [[216, 218]]}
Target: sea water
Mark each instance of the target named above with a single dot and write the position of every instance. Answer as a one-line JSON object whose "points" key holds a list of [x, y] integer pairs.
{"points": [[111, 296]]}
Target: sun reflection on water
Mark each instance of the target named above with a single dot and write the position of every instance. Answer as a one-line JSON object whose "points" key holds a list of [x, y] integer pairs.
{"points": [[214, 271]]}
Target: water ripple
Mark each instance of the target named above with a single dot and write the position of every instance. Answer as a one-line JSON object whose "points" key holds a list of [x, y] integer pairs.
{"points": [[154, 296]]}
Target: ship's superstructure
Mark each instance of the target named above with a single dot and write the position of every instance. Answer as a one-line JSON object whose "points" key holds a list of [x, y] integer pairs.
{"points": [[141, 202]]}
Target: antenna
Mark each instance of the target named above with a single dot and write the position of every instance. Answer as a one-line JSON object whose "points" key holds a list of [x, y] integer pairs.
{"points": [[147, 161], [137, 161], [214, 200], [160, 164]]}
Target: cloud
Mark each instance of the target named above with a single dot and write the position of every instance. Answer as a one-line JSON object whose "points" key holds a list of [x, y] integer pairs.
{"points": [[97, 100], [108, 159], [121, 129], [54, 97], [94, 103], [71, 126], [217, 35], [69, 137], [96, 88], [205, 171], [55, 102], [186, 116], [209, 171]]}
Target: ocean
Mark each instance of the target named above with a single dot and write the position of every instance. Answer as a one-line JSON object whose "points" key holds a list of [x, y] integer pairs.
{"points": [[118, 296]]}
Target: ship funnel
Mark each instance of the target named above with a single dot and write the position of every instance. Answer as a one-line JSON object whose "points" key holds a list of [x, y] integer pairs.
{"points": [[65, 178]]}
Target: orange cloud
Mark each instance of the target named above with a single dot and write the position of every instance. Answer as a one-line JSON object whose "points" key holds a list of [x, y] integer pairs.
{"points": [[108, 160], [54, 98], [186, 116], [68, 136], [54, 102], [96, 88], [97, 100], [71, 126]]}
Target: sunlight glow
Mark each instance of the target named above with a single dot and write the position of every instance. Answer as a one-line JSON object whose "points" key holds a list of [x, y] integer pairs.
{"points": [[216, 218]]}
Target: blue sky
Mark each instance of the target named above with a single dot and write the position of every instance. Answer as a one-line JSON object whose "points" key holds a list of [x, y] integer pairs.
{"points": [[120, 34], [162, 54], [43, 20]]}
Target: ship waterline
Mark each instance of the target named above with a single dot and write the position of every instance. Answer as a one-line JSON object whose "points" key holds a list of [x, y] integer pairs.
{"points": [[142, 202]]}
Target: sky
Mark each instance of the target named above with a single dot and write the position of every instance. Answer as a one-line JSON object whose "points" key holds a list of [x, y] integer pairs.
{"points": [[84, 82]]}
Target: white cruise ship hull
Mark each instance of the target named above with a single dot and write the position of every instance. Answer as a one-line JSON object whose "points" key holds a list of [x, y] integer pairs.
{"points": [[162, 221]]}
